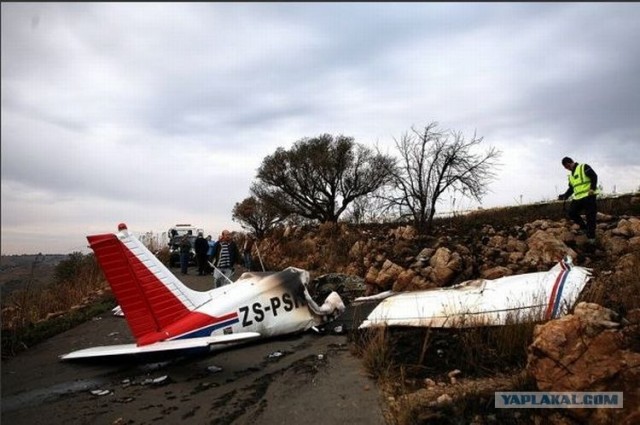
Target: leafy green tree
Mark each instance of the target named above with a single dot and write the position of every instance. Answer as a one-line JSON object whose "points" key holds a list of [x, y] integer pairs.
{"points": [[255, 216], [319, 177]]}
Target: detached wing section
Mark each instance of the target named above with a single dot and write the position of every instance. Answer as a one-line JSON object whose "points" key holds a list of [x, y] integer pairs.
{"points": [[529, 297], [174, 346]]}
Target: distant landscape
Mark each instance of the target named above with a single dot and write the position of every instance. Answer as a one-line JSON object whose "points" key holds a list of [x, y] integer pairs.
{"points": [[18, 270]]}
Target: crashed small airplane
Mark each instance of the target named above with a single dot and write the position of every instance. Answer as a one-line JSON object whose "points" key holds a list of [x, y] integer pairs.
{"points": [[529, 297], [166, 316]]}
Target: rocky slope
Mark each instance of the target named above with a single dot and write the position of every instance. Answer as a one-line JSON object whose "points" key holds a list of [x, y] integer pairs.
{"points": [[594, 349]]}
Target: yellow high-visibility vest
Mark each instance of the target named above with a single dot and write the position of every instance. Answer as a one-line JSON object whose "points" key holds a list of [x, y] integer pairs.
{"points": [[580, 182]]}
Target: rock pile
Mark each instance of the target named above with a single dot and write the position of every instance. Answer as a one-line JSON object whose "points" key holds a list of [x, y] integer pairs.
{"points": [[589, 350]]}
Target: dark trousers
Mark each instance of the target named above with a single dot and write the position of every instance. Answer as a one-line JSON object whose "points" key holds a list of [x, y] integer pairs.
{"points": [[203, 267], [588, 205], [184, 262]]}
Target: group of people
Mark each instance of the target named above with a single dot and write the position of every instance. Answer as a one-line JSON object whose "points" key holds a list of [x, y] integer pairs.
{"points": [[218, 257]]}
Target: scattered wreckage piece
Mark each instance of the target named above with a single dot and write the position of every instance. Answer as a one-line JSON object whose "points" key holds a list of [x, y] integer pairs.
{"points": [[164, 315], [529, 297]]}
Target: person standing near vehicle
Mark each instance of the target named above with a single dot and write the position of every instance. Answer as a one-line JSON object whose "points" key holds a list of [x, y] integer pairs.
{"points": [[185, 252], [225, 256], [583, 185], [201, 247], [212, 245]]}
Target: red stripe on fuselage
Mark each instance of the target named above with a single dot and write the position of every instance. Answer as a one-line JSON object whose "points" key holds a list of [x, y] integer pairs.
{"points": [[554, 292], [189, 323]]}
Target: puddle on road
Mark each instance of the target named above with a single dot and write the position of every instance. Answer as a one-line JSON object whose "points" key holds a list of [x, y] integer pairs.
{"points": [[43, 395]]}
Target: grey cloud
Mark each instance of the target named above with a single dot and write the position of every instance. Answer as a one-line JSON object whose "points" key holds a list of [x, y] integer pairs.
{"points": [[168, 108]]}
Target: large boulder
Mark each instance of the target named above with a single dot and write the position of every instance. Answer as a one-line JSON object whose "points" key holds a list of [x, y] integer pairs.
{"points": [[404, 280], [545, 249], [587, 351], [445, 265], [496, 272], [628, 227], [615, 245], [404, 232], [388, 275]]}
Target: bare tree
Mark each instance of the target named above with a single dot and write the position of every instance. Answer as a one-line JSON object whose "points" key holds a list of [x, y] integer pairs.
{"points": [[370, 209], [433, 162], [318, 178], [255, 216]]}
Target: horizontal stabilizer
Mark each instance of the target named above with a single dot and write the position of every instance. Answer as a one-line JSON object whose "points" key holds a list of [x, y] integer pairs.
{"points": [[163, 346]]}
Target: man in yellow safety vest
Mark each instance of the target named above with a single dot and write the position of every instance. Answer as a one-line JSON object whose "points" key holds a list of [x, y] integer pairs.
{"points": [[583, 185]]}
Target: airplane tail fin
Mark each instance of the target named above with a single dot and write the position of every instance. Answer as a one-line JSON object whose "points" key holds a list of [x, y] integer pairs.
{"points": [[150, 296]]}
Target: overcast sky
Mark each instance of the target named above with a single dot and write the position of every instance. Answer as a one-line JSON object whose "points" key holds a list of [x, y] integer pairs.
{"points": [[157, 114]]}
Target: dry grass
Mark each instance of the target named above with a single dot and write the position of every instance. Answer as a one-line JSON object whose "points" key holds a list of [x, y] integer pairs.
{"points": [[163, 255], [487, 359], [79, 284], [507, 217], [418, 395], [425, 353], [460, 403], [373, 347], [323, 251]]}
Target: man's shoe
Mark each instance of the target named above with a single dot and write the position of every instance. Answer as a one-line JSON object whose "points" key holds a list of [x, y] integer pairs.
{"points": [[592, 241]]}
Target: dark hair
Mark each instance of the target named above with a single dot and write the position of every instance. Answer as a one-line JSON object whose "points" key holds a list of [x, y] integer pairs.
{"points": [[566, 160]]}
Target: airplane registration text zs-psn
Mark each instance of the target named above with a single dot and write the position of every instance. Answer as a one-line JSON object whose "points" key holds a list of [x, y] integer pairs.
{"points": [[164, 315]]}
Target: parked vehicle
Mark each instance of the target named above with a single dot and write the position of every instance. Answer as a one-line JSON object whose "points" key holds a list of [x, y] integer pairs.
{"points": [[184, 229], [175, 236], [174, 251]]}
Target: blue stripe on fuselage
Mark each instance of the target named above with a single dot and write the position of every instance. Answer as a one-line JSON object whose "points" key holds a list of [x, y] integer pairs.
{"points": [[208, 330], [559, 294]]}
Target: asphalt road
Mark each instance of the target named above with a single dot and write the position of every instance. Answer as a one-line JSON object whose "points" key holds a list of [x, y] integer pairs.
{"points": [[307, 378]]}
